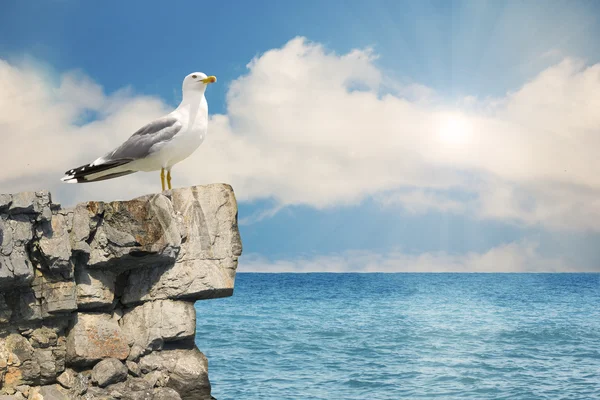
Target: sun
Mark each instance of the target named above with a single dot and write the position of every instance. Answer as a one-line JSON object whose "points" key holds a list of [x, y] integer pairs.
{"points": [[454, 130]]}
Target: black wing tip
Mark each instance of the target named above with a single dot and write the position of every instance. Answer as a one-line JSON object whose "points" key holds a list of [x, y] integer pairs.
{"points": [[88, 169]]}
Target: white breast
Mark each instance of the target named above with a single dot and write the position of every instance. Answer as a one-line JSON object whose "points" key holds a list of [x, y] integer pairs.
{"points": [[194, 120]]}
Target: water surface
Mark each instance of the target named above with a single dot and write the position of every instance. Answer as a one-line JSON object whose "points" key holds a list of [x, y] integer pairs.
{"points": [[404, 336]]}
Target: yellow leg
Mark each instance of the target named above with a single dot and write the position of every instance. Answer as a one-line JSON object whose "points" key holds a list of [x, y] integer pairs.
{"points": [[162, 178], [169, 179]]}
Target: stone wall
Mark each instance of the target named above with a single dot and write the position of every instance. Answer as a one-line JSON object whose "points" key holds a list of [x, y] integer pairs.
{"points": [[97, 302]]}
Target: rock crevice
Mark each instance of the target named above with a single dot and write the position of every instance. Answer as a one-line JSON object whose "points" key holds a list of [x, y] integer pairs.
{"points": [[97, 301]]}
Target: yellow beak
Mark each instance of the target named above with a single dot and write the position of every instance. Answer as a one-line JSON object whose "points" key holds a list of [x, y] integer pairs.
{"points": [[210, 79]]}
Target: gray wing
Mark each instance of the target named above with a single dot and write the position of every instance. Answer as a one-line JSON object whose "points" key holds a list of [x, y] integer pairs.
{"points": [[139, 145]]}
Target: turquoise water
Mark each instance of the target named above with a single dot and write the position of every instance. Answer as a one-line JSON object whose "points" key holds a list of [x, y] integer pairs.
{"points": [[404, 336]]}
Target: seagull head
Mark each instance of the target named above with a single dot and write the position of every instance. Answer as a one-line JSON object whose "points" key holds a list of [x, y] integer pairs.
{"points": [[197, 81]]}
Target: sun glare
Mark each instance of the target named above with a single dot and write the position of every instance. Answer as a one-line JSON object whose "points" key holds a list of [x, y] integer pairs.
{"points": [[454, 131]]}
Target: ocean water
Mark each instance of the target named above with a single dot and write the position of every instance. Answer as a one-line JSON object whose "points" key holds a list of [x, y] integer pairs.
{"points": [[404, 336]]}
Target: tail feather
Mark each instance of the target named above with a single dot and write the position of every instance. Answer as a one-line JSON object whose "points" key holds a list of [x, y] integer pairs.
{"points": [[94, 173]]}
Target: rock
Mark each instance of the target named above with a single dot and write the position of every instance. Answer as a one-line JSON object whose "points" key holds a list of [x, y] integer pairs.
{"points": [[191, 279], [136, 352], [58, 297], [138, 384], [28, 306], [94, 337], [152, 323], [47, 365], [43, 337], [109, 371], [18, 348], [153, 377], [53, 246], [67, 378], [187, 369], [79, 287], [133, 368], [24, 389], [152, 362], [189, 377], [23, 203], [116, 394], [209, 221], [165, 393], [48, 392], [141, 395], [96, 393], [77, 382], [26, 214], [207, 261], [16, 269], [95, 288], [129, 234], [5, 311], [5, 201], [29, 372], [16, 396]]}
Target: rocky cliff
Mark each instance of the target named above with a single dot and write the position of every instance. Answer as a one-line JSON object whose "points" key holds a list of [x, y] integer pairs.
{"points": [[97, 302]]}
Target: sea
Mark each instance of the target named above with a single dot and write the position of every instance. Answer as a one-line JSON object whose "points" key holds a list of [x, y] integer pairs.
{"points": [[404, 336]]}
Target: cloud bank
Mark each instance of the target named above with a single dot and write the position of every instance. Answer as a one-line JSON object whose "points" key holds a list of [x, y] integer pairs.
{"points": [[513, 257], [308, 126]]}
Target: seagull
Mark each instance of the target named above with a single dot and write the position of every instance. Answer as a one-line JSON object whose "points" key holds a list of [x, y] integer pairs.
{"points": [[158, 145]]}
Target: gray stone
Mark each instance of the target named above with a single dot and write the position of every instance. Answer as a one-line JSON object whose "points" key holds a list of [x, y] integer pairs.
{"points": [[94, 337], [16, 269], [24, 389], [5, 200], [67, 379], [154, 377], [132, 269], [43, 337], [207, 261], [138, 384], [47, 365], [6, 238], [5, 311], [56, 297], [16, 396], [133, 368], [141, 395], [136, 352], [96, 393], [29, 306], [30, 371], [48, 392], [189, 377], [128, 234], [150, 324], [165, 393], [209, 221], [23, 203], [53, 244], [189, 279], [187, 369], [95, 288], [109, 371], [116, 394], [18, 349]]}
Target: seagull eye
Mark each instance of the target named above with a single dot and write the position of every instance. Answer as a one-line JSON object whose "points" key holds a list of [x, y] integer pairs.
{"points": [[194, 76]]}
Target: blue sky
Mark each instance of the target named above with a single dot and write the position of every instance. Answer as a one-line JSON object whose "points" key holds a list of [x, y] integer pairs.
{"points": [[483, 67]]}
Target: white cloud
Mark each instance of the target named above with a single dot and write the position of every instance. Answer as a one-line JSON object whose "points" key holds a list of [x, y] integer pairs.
{"points": [[308, 126], [43, 132], [512, 257], [419, 201]]}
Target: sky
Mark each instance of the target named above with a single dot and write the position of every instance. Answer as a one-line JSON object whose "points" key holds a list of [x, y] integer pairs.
{"points": [[398, 136]]}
